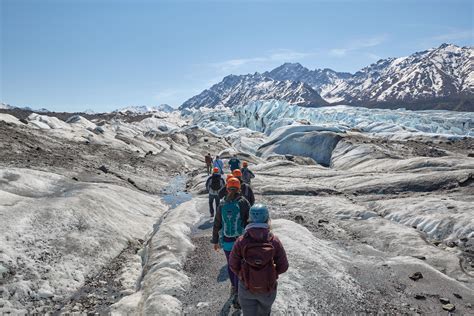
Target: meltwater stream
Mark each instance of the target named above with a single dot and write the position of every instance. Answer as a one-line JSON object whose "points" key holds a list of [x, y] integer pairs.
{"points": [[173, 195]]}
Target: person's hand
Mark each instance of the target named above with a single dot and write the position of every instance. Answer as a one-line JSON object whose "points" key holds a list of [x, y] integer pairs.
{"points": [[216, 247]]}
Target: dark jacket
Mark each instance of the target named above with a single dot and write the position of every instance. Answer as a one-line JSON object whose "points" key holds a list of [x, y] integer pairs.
{"points": [[234, 163], [247, 175], [253, 235], [244, 215], [222, 185], [247, 192]]}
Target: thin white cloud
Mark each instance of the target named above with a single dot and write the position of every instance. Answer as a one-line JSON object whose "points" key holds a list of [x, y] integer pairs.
{"points": [[370, 42], [288, 55], [358, 44], [373, 56], [171, 96], [280, 55], [338, 52], [454, 35]]}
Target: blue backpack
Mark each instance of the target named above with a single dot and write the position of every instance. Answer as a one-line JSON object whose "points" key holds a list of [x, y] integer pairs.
{"points": [[231, 224]]}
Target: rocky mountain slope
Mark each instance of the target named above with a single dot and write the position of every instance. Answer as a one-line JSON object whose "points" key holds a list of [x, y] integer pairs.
{"points": [[321, 80], [438, 78], [234, 90], [445, 71]]}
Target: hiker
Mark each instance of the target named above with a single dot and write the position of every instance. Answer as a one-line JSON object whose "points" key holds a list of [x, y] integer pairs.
{"points": [[258, 258], [247, 174], [208, 160], [219, 164], [231, 218], [245, 189], [214, 185], [234, 163]]}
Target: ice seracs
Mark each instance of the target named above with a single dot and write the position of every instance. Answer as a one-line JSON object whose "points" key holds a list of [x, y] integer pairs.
{"points": [[267, 116]]}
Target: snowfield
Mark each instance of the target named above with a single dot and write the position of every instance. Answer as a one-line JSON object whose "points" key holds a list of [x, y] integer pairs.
{"points": [[109, 214]]}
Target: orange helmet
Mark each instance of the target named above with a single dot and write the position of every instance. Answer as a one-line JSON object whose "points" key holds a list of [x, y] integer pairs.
{"points": [[245, 164], [233, 184], [229, 176], [237, 173], [215, 170]]}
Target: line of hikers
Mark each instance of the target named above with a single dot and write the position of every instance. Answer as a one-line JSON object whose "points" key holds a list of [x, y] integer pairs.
{"points": [[255, 256]]}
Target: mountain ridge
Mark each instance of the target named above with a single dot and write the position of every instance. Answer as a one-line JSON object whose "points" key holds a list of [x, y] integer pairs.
{"points": [[241, 89], [442, 76]]}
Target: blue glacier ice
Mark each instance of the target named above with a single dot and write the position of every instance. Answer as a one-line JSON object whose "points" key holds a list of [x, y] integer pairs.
{"points": [[267, 116]]}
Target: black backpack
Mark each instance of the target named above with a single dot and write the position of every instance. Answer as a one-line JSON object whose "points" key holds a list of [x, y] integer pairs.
{"points": [[215, 183]]}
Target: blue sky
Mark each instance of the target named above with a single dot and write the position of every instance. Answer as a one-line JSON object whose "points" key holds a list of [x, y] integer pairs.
{"points": [[72, 55]]}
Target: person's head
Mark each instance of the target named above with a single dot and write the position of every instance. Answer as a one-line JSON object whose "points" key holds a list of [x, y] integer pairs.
{"points": [[233, 186], [217, 156], [237, 173], [259, 214], [245, 164], [234, 155], [215, 170], [208, 154]]}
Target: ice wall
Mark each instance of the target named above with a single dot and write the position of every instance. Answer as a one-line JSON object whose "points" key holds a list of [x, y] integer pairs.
{"points": [[267, 116]]}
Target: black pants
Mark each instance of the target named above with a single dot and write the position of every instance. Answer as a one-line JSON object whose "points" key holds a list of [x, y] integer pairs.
{"points": [[255, 304], [213, 198]]}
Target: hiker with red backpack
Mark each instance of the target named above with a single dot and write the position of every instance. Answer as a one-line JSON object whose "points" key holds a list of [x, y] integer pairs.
{"points": [[208, 160], [258, 258], [229, 223], [215, 186], [245, 188]]}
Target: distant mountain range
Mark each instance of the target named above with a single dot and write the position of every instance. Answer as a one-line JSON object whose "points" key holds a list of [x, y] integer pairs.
{"points": [[136, 110], [438, 78], [5, 106], [142, 109]]}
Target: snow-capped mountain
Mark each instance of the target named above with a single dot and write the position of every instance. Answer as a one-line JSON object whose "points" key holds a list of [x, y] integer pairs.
{"points": [[438, 78], [321, 80], [445, 71], [141, 109], [236, 90], [4, 106]]}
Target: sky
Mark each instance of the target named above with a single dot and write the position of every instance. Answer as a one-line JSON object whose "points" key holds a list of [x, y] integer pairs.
{"points": [[73, 55]]}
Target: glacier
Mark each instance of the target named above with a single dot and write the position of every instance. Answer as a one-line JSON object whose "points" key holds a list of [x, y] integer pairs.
{"points": [[360, 198], [267, 116]]}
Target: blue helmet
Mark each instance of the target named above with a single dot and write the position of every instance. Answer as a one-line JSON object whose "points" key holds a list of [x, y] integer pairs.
{"points": [[258, 213]]}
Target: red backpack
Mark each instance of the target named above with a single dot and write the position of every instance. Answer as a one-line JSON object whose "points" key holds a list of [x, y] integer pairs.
{"points": [[258, 268]]}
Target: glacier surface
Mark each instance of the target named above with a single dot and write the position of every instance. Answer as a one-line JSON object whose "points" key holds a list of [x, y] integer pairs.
{"points": [[267, 116]]}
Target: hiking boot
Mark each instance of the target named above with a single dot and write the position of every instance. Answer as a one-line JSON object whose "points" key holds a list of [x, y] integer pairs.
{"points": [[235, 301]]}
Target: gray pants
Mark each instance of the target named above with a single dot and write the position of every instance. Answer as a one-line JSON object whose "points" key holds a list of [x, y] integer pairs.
{"points": [[255, 304]]}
